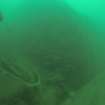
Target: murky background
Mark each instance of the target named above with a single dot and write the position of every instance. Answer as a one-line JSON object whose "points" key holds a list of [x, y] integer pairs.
{"points": [[64, 40]]}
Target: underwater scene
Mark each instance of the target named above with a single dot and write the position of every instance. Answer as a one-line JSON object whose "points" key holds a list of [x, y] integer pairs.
{"points": [[52, 52]]}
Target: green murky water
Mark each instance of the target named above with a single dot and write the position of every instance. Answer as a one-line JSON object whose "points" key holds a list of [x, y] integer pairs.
{"points": [[51, 53]]}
